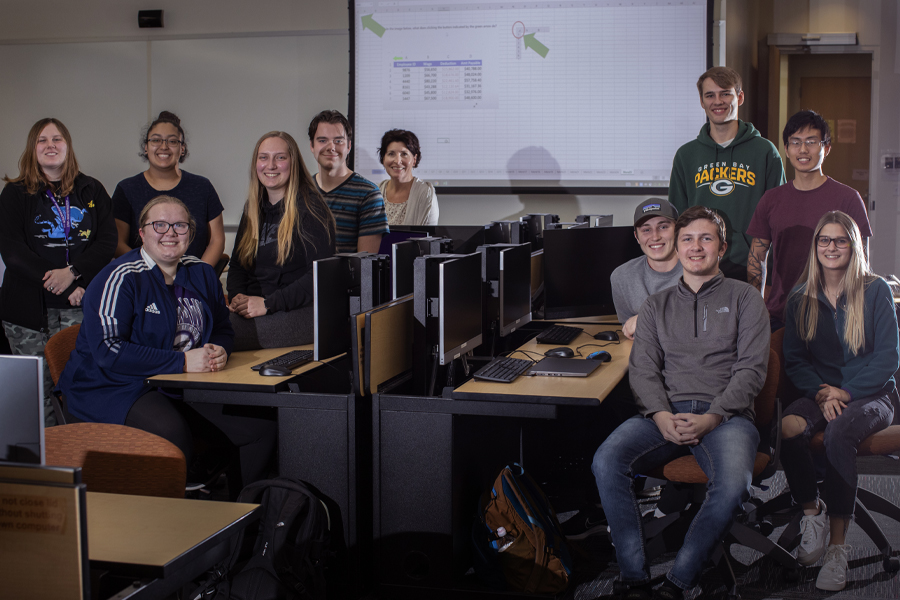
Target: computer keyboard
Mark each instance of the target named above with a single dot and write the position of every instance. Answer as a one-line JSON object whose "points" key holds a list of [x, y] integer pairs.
{"points": [[559, 335], [503, 369], [290, 360]]}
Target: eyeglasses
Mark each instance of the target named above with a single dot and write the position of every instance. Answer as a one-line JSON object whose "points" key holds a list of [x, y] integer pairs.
{"points": [[824, 241], [180, 227], [810, 144], [157, 142]]}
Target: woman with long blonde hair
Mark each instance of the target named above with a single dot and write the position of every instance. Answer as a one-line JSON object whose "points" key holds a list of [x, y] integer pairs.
{"points": [[286, 226], [841, 351]]}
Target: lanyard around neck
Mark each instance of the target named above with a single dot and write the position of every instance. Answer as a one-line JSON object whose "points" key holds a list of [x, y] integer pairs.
{"points": [[65, 218]]}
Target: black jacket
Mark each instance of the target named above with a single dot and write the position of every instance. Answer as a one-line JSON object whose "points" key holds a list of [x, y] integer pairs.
{"points": [[22, 295], [288, 286]]}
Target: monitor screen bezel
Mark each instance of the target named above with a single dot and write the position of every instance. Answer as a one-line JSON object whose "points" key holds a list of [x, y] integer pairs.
{"points": [[31, 367], [506, 329]]}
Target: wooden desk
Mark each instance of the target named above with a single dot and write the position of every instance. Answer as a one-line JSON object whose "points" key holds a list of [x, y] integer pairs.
{"points": [[237, 374], [165, 542], [588, 391], [324, 429], [444, 452]]}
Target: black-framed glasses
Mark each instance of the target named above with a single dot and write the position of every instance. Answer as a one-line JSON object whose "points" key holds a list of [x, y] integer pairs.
{"points": [[810, 144], [840, 242], [157, 142], [180, 227]]}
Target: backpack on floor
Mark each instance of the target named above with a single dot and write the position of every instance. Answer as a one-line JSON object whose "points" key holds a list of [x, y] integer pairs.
{"points": [[537, 560], [290, 547]]}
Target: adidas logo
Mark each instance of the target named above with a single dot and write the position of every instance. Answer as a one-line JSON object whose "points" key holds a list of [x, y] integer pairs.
{"points": [[152, 309]]}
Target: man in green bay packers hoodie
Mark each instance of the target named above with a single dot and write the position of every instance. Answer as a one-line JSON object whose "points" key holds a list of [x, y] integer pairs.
{"points": [[727, 168]]}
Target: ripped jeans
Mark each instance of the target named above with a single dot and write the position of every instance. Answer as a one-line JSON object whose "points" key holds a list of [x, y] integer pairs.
{"points": [[859, 420]]}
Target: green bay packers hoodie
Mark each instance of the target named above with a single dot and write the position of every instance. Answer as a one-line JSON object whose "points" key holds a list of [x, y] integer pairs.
{"points": [[729, 180]]}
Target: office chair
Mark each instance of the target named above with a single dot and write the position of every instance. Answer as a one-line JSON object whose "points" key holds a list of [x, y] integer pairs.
{"points": [[220, 266], [57, 351], [885, 442], [117, 459], [667, 533]]}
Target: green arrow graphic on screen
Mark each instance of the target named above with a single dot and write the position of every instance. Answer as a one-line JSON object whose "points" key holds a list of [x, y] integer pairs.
{"points": [[535, 45], [370, 23]]}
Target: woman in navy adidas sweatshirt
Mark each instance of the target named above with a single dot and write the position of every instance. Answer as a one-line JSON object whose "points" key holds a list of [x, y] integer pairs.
{"points": [[153, 311]]}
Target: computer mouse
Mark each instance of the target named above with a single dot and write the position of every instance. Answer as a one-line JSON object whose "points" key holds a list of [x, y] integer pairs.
{"points": [[274, 371], [607, 336], [561, 352], [601, 355]]}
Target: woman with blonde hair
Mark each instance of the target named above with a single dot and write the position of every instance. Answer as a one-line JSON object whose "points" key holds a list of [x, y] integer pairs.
{"points": [[286, 226], [841, 351], [56, 234]]}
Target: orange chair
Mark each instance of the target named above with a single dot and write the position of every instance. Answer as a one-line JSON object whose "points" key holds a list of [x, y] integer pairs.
{"points": [[118, 459], [57, 351]]}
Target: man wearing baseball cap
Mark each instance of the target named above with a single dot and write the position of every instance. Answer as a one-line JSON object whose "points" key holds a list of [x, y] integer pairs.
{"points": [[659, 268]]}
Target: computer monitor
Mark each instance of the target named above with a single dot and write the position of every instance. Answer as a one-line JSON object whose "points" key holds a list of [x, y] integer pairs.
{"points": [[395, 237], [332, 281], [515, 288], [559, 225], [22, 409], [595, 220], [465, 238], [459, 306], [404, 254], [577, 265], [535, 223], [506, 274], [504, 232]]}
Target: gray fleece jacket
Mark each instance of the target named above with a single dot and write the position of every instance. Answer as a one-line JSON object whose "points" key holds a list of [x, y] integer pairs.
{"points": [[711, 346]]}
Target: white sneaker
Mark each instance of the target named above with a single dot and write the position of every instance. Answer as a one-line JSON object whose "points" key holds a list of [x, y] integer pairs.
{"points": [[814, 529], [833, 575]]}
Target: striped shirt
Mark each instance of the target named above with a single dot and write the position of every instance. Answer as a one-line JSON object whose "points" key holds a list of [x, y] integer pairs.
{"points": [[358, 209]]}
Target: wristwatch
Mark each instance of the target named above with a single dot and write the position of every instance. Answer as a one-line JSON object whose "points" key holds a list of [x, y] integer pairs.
{"points": [[75, 273]]}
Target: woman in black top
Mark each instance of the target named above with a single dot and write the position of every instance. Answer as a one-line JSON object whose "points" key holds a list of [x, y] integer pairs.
{"points": [[56, 234], [286, 226]]}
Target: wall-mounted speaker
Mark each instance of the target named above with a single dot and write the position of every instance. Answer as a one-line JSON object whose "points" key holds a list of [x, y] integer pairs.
{"points": [[150, 18]]}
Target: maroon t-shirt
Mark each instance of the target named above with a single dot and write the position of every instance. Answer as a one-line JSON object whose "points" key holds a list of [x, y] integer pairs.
{"points": [[788, 217]]}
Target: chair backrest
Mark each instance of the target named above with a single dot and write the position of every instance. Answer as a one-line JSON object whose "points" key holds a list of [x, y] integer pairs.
{"points": [[58, 349], [220, 266], [764, 405], [118, 459]]}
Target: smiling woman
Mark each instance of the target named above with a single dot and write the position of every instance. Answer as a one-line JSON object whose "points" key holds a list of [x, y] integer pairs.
{"points": [[408, 199], [286, 226], [164, 147], [56, 234]]}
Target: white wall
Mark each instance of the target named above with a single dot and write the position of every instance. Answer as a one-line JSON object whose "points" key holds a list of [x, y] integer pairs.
{"points": [[46, 21]]}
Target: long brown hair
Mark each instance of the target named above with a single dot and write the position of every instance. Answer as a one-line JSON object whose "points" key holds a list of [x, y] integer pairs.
{"points": [[30, 172], [300, 188], [856, 279]]}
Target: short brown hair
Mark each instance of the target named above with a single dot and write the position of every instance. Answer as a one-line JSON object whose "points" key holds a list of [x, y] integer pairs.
{"points": [[407, 138], [695, 213], [333, 117], [724, 77]]}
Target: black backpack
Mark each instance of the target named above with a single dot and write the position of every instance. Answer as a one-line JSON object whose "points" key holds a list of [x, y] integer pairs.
{"points": [[290, 548]]}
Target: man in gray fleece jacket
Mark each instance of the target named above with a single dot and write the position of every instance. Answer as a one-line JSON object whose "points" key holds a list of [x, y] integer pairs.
{"points": [[699, 359]]}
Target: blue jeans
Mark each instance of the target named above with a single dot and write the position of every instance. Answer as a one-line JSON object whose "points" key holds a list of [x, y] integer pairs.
{"points": [[859, 420], [725, 454]]}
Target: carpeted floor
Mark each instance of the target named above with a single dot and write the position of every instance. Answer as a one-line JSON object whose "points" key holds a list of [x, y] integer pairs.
{"points": [[761, 578]]}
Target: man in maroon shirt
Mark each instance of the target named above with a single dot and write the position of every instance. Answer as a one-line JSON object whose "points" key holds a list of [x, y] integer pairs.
{"points": [[787, 215]]}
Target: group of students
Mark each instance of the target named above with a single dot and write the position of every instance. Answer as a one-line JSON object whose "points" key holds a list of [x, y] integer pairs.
{"points": [[75, 255], [701, 339], [701, 330]]}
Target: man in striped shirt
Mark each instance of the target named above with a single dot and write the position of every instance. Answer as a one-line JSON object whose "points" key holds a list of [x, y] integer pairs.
{"points": [[355, 202]]}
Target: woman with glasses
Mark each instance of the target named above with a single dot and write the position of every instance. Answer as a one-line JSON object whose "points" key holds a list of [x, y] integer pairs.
{"points": [[841, 351], [407, 199], [163, 147], [286, 226], [56, 234], [158, 310]]}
